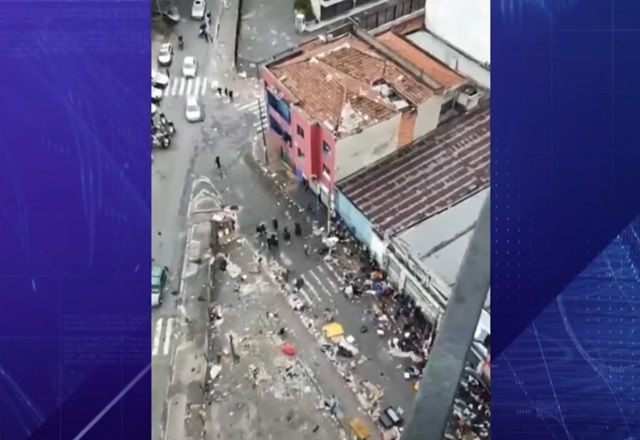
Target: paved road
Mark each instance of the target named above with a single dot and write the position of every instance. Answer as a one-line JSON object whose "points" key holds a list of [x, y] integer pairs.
{"points": [[171, 181], [230, 131]]}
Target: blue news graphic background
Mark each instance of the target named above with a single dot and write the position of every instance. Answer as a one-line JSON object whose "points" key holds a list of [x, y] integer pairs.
{"points": [[566, 173], [74, 219]]}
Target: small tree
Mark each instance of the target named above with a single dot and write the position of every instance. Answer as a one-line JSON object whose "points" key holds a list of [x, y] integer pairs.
{"points": [[304, 7]]}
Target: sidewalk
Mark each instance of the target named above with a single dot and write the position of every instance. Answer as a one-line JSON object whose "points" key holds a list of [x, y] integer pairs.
{"points": [[226, 33], [189, 363]]}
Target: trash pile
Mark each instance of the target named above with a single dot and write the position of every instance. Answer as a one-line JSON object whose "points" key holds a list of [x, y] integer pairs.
{"points": [[471, 417]]}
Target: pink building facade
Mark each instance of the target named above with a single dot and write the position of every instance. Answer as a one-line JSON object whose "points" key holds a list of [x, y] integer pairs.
{"points": [[304, 145]]}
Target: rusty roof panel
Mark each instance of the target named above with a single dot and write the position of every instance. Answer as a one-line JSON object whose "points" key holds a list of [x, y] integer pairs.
{"points": [[425, 177]]}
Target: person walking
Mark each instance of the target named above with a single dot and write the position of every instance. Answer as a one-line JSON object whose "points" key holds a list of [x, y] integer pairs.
{"points": [[209, 16], [306, 249], [218, 162], [231, 95], [274, 222], [219, 91]]}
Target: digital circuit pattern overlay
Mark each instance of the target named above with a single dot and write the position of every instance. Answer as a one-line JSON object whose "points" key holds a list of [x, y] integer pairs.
{"points": [[574, 373], [74, 219]]}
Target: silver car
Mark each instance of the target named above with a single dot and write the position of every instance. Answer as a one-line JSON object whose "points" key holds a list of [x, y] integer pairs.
{"points": [[198, 9], [166, 54], [193, 109], [189, 67]]}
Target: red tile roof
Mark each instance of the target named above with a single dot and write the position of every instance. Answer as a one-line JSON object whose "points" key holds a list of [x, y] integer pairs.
{"points": [[442, 74], [423, 178], [327, 78]]}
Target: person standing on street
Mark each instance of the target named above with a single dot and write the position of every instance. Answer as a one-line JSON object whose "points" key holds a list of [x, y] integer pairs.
{"points": [[218, 162], [209, 16], [231, 95], [275, 223], [306, 249]]}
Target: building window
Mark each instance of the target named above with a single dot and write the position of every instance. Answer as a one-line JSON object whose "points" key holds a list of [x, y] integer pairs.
{"points": [[326, 149], [300, 131], [300, 154], [276, 127], [281, 107], [325, 171]]}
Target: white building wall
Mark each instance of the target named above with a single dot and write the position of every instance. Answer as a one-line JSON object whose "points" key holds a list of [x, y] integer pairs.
{"points": [[465, 24], [426, 298], [452, 57], [359, 150], [427, 116], [378, 248]]}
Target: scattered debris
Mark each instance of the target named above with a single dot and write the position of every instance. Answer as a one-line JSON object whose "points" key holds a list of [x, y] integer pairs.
{"points": [[214, 372], [288, 349]]}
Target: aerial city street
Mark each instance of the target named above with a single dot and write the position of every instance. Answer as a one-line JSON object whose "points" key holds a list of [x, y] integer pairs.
{"points": [[318, 171]]}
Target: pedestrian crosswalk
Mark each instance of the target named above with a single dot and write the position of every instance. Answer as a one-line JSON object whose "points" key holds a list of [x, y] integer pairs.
{"points": [[182, 86], [259, 109], [320, 285], [162, 336]]}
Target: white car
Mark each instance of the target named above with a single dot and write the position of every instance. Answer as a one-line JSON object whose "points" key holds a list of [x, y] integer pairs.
{"points": [[197, 10], [156, 94], [166, 54], [159, 80], [193, 110], [189, 67]]}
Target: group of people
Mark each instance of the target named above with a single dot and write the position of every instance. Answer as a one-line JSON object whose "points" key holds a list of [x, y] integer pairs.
{"points": [[228, 93], [272, 239]]}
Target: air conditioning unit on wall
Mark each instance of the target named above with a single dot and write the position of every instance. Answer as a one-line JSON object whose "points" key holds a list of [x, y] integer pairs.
{"points": [[469, 97]]}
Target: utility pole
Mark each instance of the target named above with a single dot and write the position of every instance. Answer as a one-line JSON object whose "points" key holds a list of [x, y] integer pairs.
{"points": [[439, 385], [329, 199], [264, 138]]}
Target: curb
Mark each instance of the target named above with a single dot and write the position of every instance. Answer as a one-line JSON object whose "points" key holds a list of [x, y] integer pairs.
{"points": [[237, 37]]}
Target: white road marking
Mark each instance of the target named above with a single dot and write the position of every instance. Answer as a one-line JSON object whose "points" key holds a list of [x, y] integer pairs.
{"points": [[248, 105], [306, 296], [189, 85], [167, 337], [327, 277], [322, 286], [197, 86], [156, 337], [309, 286], [332, 270], [183, 82], [174, 88], [204, 86]]}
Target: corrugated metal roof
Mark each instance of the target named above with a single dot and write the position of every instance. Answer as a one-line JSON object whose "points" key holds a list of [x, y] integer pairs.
{"points": [[425, 177]]}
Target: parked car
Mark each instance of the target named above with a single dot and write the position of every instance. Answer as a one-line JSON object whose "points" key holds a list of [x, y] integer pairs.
{"points": [[193, 109], [189, 67], [166, 54], [156, 94], [198, 9], [158, 284], [159, 79]]}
